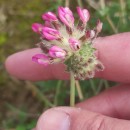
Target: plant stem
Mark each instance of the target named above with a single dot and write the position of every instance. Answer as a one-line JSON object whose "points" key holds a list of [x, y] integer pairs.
{"points": [[80, 3], [39, 94], [72, 90], [93, 86], [57, 92], [78, 87], [111, 24], [67, 3], [102, 3], [106, 84], [123, 11]]}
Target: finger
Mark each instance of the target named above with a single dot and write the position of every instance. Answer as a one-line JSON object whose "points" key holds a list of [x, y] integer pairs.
{"points": [[114, 102], [21, 65], [66, 118], [113, 53]]}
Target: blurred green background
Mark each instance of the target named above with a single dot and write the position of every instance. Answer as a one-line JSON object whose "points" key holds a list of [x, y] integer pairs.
{"points": [[21, 102]]}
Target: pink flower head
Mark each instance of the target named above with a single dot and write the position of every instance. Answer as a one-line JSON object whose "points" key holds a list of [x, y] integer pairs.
{"points": [[66, 16], [99, 26], [90, 34], [41, 59], [74, 44], [84, 14], [36, 27], [50, 33], [57, 52], [49, 16]]}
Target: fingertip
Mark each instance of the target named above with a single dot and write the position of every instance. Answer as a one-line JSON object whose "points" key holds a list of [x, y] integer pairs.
{"points": [[21, 66], [53, 119], [9, 64]]}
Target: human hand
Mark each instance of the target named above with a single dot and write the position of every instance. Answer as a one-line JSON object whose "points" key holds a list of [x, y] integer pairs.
{"points": [[108, 111]]}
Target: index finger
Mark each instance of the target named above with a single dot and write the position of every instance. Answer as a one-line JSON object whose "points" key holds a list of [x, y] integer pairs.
{"points": [[114, 53]]}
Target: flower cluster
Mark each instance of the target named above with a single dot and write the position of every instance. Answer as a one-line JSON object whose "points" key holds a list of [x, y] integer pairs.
{"points": [[62, 41]]}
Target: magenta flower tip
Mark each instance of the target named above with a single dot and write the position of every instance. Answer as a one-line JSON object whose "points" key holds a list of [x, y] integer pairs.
{"points": [[83, 14], [50, 33], [41, 59], [99, 26], [57, 52], [90, 34], [47, 24], [36, 27], [74, 44], [49, 16], [66, 16]]}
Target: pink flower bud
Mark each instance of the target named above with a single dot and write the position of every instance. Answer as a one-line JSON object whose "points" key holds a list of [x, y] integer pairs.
{"points": [[90, 34], [47, 24], [41, 59], [50, 33], [57, 52], [49, 16], [83, 14], [99, 26], [74, 44], [66, 16], [36, 27]]}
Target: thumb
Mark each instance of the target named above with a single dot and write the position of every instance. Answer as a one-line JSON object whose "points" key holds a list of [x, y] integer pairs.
{"points": [[66, 118]]}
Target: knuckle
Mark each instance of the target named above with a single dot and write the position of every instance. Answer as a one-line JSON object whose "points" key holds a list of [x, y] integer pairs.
{"points": [[95, 123]]}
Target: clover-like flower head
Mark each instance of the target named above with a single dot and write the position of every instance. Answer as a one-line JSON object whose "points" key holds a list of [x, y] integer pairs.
{"points": [[62, 41]]}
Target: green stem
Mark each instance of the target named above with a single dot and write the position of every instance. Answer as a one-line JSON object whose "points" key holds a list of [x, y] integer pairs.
{"points": [[102, 3], [93, 86], [80, 3], [106, 84], [67, 3], [57, 92], [39, 94], [123, 7], [100, 86], [79, 90], [111, 24], [72, 90]]}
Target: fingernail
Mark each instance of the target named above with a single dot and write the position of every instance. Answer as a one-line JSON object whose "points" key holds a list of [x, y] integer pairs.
{"points": [[54, 120]]}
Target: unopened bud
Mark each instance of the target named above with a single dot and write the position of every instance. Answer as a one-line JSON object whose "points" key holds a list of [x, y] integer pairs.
{"points": [[83, 14], [66, 16], [49, 16], [50, 33], [36, 27], [57, 52], [41, 59], [74, 44], [90, 34], [99, 26]]}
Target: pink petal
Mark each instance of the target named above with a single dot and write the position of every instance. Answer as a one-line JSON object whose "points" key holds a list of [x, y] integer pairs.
{"points": [[49, 16], [66, 16], [57, 52], [83, 14], [36, 27], [99, 26], [74, 44], [41, 59], [50, 33]]}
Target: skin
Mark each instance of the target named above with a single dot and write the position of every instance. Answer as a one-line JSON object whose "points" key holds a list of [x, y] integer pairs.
{"points": [[109, 110]]}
